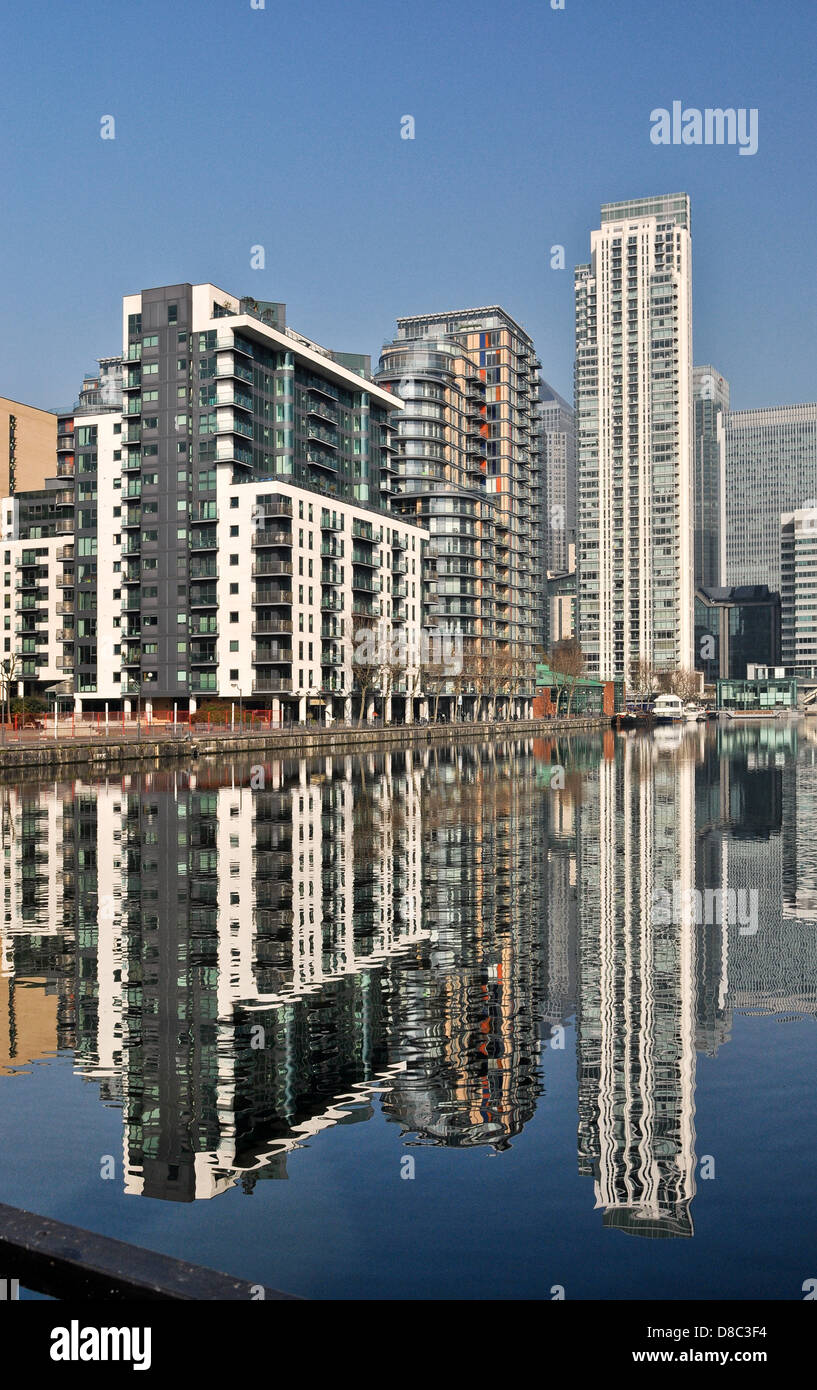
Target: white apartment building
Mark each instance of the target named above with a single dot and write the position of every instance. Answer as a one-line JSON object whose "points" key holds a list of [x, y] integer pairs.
{"points": [[634, 438], [32, 591]]}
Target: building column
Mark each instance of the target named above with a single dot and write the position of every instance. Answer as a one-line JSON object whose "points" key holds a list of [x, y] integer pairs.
{"points": [[347, 709], [301, 709], [192, 705], [77, 704], [387, 710]]}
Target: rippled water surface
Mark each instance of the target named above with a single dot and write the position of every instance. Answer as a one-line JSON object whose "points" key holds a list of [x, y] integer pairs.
{"points": [[477, 1022]]}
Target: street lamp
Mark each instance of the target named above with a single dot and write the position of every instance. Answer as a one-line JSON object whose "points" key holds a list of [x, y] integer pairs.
{"points": [[234, 686]]}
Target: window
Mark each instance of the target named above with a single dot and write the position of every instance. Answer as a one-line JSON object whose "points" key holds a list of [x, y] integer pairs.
{"points": [[233, 530], [233, 617], [172, 313], [233, 501], [233, 675], [233, 588], [234, 646]]}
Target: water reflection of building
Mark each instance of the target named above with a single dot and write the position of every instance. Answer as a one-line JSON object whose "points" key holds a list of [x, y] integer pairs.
{"points": [[240, 966], [471, 1025], [636, 1019]]}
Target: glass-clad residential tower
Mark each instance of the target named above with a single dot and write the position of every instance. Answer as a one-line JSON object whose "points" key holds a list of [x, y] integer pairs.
{"points": [[634, 438], [468, 465]]}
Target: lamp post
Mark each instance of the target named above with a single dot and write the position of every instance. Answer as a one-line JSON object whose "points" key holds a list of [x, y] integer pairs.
{"points": [[234, 686]]}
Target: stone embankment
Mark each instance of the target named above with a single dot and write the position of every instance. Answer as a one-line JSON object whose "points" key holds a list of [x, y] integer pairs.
{"points": [[99, 754]]}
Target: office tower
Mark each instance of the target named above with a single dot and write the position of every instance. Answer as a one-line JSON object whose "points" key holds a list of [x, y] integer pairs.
{"points": [[736, 628], [221, 400], [711, 396], [469, 471], [634, 438], [798, 591], [27, 440], [557, 442], [771, 468]]}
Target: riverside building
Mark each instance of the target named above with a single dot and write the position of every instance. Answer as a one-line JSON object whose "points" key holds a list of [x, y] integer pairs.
{"points": [[219, 528], [634, 438], [468, 471]]}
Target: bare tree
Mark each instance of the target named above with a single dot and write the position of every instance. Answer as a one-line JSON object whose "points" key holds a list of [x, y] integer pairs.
{"points": [[681, 682], [641, 678], [567, 660], [8, 673], [362, 633]]}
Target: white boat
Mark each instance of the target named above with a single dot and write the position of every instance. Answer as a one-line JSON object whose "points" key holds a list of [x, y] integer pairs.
{"points": [[668, 709]]}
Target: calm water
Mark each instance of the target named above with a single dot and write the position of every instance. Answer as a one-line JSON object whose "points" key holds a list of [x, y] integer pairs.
{"points": [[434, 1024]]}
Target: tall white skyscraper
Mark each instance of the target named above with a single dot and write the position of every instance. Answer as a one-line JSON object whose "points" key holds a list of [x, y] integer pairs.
{"points": [[635, 553]]}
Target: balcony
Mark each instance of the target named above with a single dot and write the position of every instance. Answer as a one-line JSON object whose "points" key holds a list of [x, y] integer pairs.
{"points": [[365, 584], [230, 452], [271, 685], [203, 540], [330, 575], [332, 547], [322, 436], [233, 397], [234, 425], [399, 542], [234, 344], [271, 626], [365, 557], [270, 597], [331, 603], [330, 521], [320, 407], [364, 531], [276, 505], [262, 567], [272, 656], [203, 598], [327, 461], [263, 537], [227, 368], [203, 569]]}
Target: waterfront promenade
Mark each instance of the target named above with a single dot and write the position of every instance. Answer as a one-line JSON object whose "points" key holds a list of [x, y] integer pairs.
{"points": [[89, 746]]}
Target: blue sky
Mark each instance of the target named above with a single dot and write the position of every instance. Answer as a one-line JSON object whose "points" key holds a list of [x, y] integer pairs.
{"points": [[281, 127]]}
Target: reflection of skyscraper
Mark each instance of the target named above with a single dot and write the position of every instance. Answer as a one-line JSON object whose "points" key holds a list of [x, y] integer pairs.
{"points": [[635, 1022]]}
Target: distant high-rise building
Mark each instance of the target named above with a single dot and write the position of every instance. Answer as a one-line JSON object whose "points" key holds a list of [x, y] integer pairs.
{"points": [[557, 442], [771, 468], [798, 565], [711, 396], [635, 557]]}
